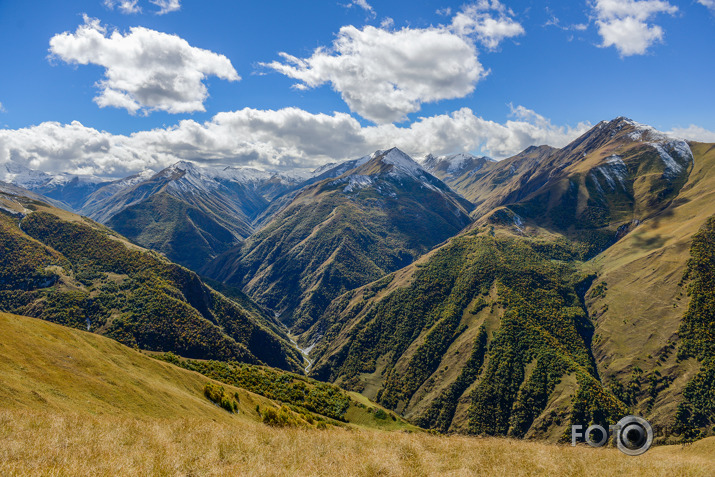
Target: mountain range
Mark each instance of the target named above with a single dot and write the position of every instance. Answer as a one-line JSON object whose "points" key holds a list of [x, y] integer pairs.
{"points": [[516, 297]]}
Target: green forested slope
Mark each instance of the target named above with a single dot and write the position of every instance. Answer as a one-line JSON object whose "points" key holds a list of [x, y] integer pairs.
{"points": [[527, 294], [697, 411], [72, 271]]}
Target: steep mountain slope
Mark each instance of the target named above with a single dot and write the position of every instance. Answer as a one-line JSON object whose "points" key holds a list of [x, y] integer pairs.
{"points": [[191, 214], [67, 269], [367, 218], [640, 299], [475, 337], [449, 168], [594, 190], [506, 330]]}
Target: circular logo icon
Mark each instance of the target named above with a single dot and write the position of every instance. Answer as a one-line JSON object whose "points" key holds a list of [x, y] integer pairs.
{"points": [[634, 436]]}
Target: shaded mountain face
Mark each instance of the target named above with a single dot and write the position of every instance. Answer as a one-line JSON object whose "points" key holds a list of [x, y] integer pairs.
{"points": [[449, 168], [69, 270], [367, 218], [510, 329]]}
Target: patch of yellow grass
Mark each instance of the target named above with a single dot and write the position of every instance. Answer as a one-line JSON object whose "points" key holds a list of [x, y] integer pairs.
{"points": [[36, 443]]}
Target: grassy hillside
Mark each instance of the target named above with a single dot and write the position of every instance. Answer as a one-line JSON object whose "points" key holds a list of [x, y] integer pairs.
{"points": [[86, 405], [47, 367], [339, 234], [76, 371], [69, 270], [639, 299]]}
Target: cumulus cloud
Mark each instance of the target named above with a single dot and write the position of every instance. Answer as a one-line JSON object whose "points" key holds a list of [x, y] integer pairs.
{"points": [[145, 70], [693, 133], [477, 20], [625, 25], [383, 75], [124, 6], [282, 139]]}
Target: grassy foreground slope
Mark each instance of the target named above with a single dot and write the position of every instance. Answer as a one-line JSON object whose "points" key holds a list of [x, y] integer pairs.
{"points": [[47, 367], [74, 403], [51, 368]]}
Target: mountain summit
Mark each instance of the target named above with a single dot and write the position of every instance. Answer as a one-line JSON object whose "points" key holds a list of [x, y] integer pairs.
{"points": [[349, 228]]}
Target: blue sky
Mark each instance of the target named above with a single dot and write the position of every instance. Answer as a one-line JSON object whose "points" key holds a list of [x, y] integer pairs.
{"points": [[90, 87]]}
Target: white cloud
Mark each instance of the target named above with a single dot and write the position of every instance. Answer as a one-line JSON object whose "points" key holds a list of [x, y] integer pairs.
{"points": [[130, 6], [387, 23], [124, 6], [384, 75], [166, 6], [284, 139], [2, 108], [625, 24], [708, 3], [693, 133], [476, 20], [146, 70], [364, 5]]}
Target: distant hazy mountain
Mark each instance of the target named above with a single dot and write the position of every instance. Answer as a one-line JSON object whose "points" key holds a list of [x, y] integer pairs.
{"points": [[68, 190], [187, 212], [449, 168], [360, 220]]}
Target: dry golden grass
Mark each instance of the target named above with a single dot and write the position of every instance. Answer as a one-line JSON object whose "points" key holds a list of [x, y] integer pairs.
{"points": [[35, 443]]}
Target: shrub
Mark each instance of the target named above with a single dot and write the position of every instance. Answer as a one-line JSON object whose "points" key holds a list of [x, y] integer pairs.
{"points": [[217, 394], [282, 417]]}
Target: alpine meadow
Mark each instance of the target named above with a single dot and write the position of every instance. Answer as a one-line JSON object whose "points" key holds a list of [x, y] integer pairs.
{"points": [[285, 238]]}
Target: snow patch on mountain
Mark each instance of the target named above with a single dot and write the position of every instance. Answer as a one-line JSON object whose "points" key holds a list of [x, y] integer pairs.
{"points": [[614, 172], [30, 179], [356, 182], [670, 152], [401, 163]]}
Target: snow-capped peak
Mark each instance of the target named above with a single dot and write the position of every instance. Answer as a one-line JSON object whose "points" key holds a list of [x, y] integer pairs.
{"points": [[400, 162], [23, 176]]}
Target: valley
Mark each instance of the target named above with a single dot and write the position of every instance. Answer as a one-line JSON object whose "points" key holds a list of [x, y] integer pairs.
{"points": [[510, 299]]}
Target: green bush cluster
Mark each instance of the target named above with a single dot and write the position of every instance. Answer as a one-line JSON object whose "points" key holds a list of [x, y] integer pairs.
{"points": [[321, 398], [218, 395]]}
